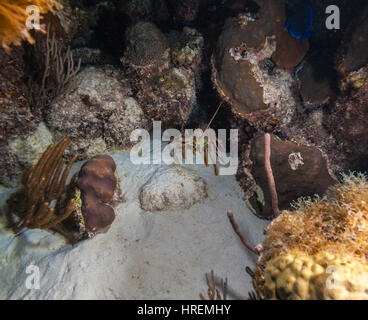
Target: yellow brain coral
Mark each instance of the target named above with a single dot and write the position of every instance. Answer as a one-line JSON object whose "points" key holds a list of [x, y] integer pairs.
{"points": [[13, 16], [300, 245]]}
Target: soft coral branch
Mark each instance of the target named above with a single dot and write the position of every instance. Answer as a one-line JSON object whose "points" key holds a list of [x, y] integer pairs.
{"points": [[13, 18], [270, 177], [237, 230]]}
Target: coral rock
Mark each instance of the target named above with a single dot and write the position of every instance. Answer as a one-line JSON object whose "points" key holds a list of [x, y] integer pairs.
{"points": [[146, 47], [166, 93], [348, 122], [23, 135], [298, 171], [354, 52], [172, 188], [243, 72], [314, 83], [98, 112]]}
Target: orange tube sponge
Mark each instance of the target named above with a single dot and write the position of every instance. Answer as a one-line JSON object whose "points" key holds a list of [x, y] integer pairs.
{"points": [[13, 16]]}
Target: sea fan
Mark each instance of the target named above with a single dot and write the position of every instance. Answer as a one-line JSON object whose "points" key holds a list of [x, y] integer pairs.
{"points": [[13, 18]]}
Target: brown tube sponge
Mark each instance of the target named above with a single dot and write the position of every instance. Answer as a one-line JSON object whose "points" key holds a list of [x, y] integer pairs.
{"points": [[97, 182]]}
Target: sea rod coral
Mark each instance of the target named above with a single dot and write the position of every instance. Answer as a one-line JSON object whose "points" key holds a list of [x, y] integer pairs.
{"points": [[44, 183], [13, 16]]}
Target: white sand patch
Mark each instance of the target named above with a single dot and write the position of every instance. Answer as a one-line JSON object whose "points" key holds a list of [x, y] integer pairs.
{"points": [[144, 255]]}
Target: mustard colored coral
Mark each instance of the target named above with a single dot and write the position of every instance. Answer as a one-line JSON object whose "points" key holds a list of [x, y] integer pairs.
{"points": [[301, 244], [13, 18], [323, 276]]}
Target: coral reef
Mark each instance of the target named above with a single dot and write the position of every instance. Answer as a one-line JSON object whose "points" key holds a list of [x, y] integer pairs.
{"points": [[16, 118], [98, 112], [348, 121], [145, 10], [165, 92], [174, 187], [13, 16], [301, 245], [186, 10]]}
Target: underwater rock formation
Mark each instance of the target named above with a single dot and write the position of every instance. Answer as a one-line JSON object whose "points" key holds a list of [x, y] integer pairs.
{"points": [[98, 112], [314, 81], [186, 48], [146, 49], [318, 251], [98, 190], [165, 92], [172, 188], [23, 135], [185, 11], [145, 10], [298, 171], [354, 51], [349, 120], [243, 72]]}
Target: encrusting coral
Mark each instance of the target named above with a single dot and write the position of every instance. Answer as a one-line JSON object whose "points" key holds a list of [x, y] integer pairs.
{"points": [[320, 250], [13, 16], [44, 183]]}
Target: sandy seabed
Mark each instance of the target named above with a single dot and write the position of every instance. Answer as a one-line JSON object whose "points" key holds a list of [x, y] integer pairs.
{"points": [[144, 255]]}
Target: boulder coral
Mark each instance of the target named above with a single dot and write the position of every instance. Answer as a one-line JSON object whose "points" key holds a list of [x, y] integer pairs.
{"points": [[319, 250], [298, 170], [97, 186], [243, 65]]}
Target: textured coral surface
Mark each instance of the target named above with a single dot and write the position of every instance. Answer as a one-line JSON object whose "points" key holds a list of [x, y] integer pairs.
{"points": [[97, 183], [335, 225], [321, 276]]}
